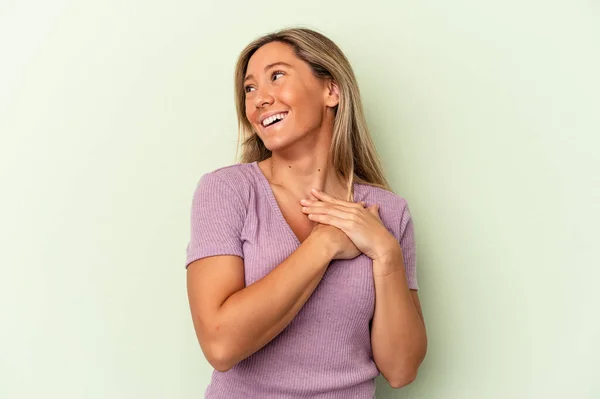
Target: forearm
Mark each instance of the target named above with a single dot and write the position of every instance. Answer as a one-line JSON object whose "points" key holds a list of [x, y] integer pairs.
{"points": [[398, 335], [253, 316]]}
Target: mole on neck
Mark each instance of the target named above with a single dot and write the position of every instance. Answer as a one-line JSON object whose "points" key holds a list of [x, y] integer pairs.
{"points": [[298, 181]]}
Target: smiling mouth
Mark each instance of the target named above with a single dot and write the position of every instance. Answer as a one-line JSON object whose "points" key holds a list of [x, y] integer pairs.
{"points": [[273, 120], [274, 123]]}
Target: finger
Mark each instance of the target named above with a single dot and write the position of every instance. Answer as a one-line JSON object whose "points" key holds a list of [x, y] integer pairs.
{"points": [[321, 204], [374, 209], [318, 203], [332, 200], [336, 211], [322, 196], [330, 220]]}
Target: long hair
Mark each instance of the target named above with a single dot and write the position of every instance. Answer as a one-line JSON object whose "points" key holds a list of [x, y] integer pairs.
{"points": [[352, 151]]}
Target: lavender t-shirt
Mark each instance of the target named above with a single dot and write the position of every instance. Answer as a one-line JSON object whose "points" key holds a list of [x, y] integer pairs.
{"points": [[325, 352]]}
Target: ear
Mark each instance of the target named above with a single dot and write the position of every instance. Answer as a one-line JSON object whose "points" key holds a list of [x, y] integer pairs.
{"points": [[332, 93]]}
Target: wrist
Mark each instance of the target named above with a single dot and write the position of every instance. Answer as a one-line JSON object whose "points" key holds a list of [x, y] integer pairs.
{"points": [[325, 246], [388, 252], [390, 261]]}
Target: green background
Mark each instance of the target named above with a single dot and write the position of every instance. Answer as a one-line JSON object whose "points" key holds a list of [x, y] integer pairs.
{"points": [[485, 114]]}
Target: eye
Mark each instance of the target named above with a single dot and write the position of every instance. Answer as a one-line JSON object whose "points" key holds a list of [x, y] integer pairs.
{"points": [[248, 88], [276, 73]]}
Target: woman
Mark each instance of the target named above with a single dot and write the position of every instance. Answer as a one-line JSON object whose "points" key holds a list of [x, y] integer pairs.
{"points": [[297, 292]]}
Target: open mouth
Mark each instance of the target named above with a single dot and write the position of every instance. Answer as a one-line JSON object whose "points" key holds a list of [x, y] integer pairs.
{"points": [[274, 120]]}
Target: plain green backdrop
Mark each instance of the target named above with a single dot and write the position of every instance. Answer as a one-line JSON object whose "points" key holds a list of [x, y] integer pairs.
{"points": [[485, 114]]}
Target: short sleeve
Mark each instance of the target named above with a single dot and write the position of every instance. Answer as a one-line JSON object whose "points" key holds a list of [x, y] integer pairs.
{"points": [[217, 220], [409, 248]]}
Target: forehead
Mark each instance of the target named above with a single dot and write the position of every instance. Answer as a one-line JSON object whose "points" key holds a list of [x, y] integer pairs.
{"points": [[269, 54]]}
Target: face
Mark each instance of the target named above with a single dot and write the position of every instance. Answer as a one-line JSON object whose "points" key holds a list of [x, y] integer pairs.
{"points": [[285, 102]]}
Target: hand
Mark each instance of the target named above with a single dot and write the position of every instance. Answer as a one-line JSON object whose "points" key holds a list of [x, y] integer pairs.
{"points": [[343, 247], [363, 226]]}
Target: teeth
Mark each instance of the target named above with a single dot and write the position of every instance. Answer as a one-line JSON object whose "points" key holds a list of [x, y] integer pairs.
{"points": [[273, 118]]}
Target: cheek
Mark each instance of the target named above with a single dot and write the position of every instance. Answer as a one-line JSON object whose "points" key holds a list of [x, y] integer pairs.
{"points": [[250, 111], [309, 103], [290, 95]]}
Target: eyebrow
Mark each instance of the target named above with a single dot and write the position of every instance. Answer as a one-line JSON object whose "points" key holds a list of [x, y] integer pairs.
{"points": [[268, 67]]}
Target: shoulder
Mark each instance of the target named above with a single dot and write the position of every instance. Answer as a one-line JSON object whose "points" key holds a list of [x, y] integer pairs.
{"points": [[237, 178], [236, 174]]}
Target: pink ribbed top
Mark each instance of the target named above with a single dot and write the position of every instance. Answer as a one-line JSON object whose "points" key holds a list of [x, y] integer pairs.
{"points": [[325, 352]]}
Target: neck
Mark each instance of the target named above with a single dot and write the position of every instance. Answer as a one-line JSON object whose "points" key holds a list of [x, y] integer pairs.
{"points": [[307, 165], [300, 175]]}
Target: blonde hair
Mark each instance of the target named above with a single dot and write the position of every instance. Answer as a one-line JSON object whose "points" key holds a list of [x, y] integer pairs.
{"points": [[352, 151]]}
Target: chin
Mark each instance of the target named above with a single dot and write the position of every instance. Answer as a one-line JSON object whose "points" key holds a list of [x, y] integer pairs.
{"points": [[281, 140], [276, 145], [277, 142]]}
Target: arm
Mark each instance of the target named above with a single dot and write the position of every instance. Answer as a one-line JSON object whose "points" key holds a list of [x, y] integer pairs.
{"points": [[398, 335], [398, 338], [233, 322]]}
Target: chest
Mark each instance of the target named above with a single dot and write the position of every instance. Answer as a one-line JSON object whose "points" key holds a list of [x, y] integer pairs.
{"points": [[274, 232], [291, 212]]}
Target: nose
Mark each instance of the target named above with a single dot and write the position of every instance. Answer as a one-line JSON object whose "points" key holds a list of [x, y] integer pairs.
{"points": [[262, 98]]}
